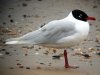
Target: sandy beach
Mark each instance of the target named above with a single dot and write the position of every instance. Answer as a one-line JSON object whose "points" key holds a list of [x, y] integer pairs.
{"points": [[18, 17]]}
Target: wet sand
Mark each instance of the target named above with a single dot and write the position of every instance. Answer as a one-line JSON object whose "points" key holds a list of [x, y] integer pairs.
{"points": [[18, 17]]}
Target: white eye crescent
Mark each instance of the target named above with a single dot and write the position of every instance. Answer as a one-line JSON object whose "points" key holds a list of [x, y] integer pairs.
{"points": [[80, 15]]}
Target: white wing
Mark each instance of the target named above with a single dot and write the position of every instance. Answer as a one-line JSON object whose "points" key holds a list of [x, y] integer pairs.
{"points": [[50, 33]]}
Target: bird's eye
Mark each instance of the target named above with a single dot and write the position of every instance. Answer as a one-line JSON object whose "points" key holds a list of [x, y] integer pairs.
{"points": [[80, 16]]}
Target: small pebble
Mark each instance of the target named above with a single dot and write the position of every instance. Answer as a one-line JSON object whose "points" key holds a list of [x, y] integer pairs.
{"points": [[24, 4], [86, 55], [46, 53], [21, 66], [54, 51], [26, 54], [11, 20], [38, 67], [91, 48], [3, 49], [42, 63], [9, 16], [14, 50], [39, 0], [7, 53], [11, 68], [27, 67], [56, 57], [36, 50], [95, 6], [4, 23], [18, 64], [24, 16], [39, 47]]}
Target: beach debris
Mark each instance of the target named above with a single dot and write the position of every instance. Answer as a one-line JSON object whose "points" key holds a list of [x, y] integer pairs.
{"points": [[36, 50], [4, 23], [9, 16], [21, 66], [91, 48], [11, 68], [56, 57], [24, 15], [46, 53], [28, 68], [39, 0], [84, 54], [18, 64], [11, 20], [95, 6], [14, 50], [54, 50], [24, 4], [7, 53], [38, 67], [42, 63], [39, 47], [26, 54], [3, 49]]}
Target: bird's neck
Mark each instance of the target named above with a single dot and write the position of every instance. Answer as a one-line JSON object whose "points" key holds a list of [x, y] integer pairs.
{"points": [[70, 18]]}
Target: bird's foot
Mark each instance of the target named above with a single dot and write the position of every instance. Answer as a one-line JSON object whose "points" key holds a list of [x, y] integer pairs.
{"points": [[73, 67]]}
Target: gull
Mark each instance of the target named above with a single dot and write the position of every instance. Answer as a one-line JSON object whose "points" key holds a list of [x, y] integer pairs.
{"points": [[63, 33]]}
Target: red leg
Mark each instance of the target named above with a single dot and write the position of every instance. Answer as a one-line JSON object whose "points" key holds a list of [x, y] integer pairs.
{"points": [[66, 61]]}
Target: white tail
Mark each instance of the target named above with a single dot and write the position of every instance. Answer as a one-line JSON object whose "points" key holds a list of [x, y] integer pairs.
{"points": [[16, 41], [12, 42]]}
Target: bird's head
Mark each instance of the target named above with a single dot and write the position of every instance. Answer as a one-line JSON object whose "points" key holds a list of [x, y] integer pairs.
{"points": [[81, 15]]}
